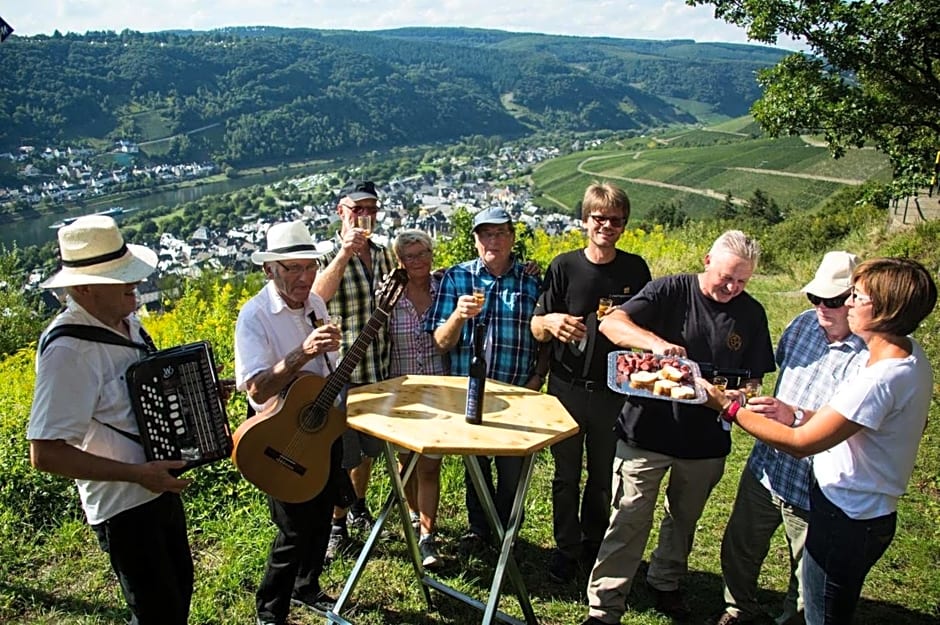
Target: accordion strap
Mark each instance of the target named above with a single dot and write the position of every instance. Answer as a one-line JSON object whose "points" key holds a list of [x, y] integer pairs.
{"points": [[100, 335], [97, 335]]}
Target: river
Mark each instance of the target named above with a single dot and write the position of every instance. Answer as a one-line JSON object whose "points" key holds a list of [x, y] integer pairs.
{"points": [[37, 231]]}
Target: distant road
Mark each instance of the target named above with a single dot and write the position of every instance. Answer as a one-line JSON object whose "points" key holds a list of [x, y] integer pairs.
{"points": [[777, 172], [709, 193], [180, 134]]}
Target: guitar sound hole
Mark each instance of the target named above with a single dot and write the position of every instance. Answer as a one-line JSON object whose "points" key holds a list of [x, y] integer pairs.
{"points": [[312, 418]]}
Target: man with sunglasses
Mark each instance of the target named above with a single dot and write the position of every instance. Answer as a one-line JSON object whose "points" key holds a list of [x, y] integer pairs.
{"points": [[816, 352], [351, 273], [566, 315]]}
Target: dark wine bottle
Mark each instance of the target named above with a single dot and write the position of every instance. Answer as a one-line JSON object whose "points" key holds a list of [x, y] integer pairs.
{"points": [[477, 378]]}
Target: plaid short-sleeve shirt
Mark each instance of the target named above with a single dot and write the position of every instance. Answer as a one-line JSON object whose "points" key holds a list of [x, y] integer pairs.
{"points": [[355, 301]]}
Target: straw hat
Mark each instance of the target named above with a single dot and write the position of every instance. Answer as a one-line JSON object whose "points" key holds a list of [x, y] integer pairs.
{"points": [[93, 252], [288, 241], [834, 276]]}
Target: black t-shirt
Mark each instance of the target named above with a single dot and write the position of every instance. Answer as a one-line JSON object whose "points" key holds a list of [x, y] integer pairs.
{"points": [[734, 335], [573, 285]]}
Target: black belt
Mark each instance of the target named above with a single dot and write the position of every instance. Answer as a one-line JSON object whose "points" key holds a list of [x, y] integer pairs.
{"points": [[588, 385]]}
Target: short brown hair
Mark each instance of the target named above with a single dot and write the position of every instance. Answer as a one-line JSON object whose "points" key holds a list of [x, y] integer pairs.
{"points": [[605, 195], [902, 293]]}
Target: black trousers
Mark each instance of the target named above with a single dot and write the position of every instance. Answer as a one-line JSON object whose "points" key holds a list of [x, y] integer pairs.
{"points": [[150, 555], [295, 560]]}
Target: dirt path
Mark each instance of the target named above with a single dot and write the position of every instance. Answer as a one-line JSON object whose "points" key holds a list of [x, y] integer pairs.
{"points": [[790, 174], [710, 193], [180, 134]]}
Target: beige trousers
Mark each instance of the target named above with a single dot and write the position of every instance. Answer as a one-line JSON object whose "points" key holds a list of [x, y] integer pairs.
{"points": [[637, 476]]}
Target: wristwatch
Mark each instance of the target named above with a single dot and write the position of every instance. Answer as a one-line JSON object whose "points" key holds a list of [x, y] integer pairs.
{"points": [[798, 415]]}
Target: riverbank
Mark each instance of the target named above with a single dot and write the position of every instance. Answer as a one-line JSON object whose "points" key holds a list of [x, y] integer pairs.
{"points": [[102, 202]]}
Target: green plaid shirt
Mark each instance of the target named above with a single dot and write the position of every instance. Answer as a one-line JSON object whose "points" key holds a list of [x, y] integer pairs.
{"points": [[355, 301]]}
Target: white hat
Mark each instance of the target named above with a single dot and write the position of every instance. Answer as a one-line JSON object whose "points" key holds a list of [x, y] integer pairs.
{"points": [[288, 241], [93, 252], [834, 276]]}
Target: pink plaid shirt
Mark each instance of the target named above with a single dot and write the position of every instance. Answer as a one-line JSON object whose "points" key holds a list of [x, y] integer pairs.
{"points": [[413, 350]]}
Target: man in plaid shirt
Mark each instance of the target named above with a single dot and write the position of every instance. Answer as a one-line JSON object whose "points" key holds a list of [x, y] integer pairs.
{"points": [[511, 350], [353, 271], [815, 353]]}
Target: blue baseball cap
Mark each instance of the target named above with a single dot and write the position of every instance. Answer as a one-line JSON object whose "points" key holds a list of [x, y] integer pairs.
{"points": [[492, 215]]}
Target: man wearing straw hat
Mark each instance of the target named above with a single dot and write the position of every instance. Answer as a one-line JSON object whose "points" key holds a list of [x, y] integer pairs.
{"points": [[281, 331], [82, 426]]}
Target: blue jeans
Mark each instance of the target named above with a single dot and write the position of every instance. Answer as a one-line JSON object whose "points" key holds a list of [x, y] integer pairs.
{"points": [[838, 555]]}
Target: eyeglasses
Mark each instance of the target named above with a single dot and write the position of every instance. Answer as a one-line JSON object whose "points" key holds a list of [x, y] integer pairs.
{"points": [[296, 270], [361, 210], [859, 299], [829, 302], [420, 256], [494, 234], [615, 222]]}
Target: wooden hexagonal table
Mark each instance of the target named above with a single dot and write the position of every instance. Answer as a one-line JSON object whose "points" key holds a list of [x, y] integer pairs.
{"points": [[425, 414]]}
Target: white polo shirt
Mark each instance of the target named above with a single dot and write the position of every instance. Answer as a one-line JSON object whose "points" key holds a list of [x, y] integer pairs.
{"points": [[79, 387], [267, 330]]}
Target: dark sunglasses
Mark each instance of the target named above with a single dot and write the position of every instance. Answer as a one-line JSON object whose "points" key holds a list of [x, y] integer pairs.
{"points": [[615, 222], [829, 302]]}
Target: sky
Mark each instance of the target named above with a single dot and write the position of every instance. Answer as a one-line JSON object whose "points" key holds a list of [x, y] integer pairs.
{"points": [[633, 19]]}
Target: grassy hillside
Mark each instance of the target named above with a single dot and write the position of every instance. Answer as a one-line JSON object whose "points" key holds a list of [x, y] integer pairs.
{"points": [[51, 571], [698, 168]]}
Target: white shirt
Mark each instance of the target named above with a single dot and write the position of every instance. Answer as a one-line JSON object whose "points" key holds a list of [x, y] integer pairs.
{"points": [[865, 474], [79, 386], [267, 330]]}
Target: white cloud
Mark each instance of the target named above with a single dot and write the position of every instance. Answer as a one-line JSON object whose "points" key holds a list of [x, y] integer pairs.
{"points": [[640, 19]]}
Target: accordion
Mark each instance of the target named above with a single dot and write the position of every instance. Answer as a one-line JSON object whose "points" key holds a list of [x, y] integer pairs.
{"points": [[175, 396]]}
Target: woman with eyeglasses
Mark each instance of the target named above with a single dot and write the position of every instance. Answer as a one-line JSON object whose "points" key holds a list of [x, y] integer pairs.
{"points": [[863, 441], [413, 352]]}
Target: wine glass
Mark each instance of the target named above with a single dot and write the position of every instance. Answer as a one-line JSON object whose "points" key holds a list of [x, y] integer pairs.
{"points": [[366, 223], [336, 320], [479, 294], [752, 389], [720, 382]]}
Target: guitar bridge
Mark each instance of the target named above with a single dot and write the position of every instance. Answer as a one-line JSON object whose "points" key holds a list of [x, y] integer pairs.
{"points": [[283, 460]]}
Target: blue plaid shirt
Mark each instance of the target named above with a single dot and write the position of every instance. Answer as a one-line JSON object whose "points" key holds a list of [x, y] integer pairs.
{"points": [[810, 370], [510, 302]]}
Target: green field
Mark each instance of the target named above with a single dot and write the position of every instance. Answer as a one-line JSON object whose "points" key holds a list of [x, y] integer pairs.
{"points": [[798, 176]]}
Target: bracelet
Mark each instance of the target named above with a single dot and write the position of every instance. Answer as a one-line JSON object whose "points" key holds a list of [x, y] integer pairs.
{"points": [[730, 412]]}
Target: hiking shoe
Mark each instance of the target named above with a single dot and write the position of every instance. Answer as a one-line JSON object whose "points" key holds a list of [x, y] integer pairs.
{"points": [[430, 558], [472, 543], [671, 603], [561, 568], [321, 603], [593, 621], [360, 520], [790, 619], [339, 541], [727, 619]]}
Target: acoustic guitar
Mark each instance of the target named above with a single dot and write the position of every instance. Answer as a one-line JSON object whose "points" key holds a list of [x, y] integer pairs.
{"points": [[285, 450]]}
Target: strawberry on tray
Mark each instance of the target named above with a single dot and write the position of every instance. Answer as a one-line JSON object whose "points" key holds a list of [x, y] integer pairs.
{"points": [[644, 374]]}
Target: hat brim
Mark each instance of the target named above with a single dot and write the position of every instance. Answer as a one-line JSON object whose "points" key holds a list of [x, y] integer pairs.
{"points": [[825, 289], [355, 196], [137, 264], [493, 221], [259, 258]]}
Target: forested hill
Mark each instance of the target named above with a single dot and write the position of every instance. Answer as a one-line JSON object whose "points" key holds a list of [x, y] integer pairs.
{"points": [[275, 94]]}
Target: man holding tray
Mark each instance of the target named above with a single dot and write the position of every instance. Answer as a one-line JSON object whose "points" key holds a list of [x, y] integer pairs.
{"points": [[576, 285], [704, 317]]}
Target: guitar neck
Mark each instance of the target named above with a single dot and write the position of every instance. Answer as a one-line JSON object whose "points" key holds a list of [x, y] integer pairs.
{"points": [[340, 377]]}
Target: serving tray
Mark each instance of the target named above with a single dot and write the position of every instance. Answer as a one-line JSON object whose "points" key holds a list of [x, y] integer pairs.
{"points": [[619, 380]]}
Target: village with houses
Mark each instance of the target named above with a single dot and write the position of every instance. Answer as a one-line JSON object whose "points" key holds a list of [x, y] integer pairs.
{"points": [[424, 202]]}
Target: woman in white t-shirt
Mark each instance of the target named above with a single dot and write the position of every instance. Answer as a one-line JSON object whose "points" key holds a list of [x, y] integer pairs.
{"points": [[863, 441]]}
